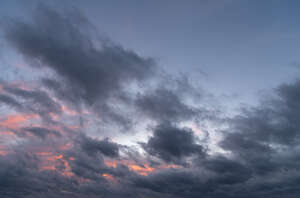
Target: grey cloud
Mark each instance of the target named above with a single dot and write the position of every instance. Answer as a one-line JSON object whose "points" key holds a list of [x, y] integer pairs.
{"points": [[5, 99], [20, 176], [35, 101], [228, 171], [175, 99], [93, 146], [274, 122], [41, 132], [262, 143], [266, 137], [172, 144], [164, 105], [90, 69]]}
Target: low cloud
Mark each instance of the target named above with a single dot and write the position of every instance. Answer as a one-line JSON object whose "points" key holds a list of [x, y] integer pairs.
{"points": [[173, 144]]}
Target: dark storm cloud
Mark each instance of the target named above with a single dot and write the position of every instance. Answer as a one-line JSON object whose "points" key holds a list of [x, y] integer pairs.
{"points": [[260, 136], [260, 156], [175, 99], [194, 183], [5, 99], [171, 143], [273, 123], [41, 132], [90, 69], [227, 171], [29, 100], [171, 182], [37, 101], [266, 138], [263, 160], [93, 146], [259, 163], [19, 177], [164, 105]]}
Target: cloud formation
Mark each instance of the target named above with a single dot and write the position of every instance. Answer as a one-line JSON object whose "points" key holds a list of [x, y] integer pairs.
{"points": [[89, 70], [172, 144], [51, 144]]}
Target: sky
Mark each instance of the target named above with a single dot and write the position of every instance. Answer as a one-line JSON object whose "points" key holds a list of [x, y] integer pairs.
{"points": [[149, 99]]}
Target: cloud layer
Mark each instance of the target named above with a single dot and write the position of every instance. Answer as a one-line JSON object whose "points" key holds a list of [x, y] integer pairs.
{"points": [[59, 132]]}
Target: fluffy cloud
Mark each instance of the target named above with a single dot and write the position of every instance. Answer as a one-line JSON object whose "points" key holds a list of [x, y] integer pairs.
{"points": [[172, 144]]}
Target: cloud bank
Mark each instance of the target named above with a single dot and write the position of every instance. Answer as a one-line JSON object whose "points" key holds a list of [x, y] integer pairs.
{"points": [[51, 145]]}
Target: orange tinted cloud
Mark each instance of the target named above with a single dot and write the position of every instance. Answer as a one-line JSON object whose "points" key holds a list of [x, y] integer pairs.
{"points": [[71, 158], [16, 121], [53, 116], [3, 150], [50, 160], [7, 133], [67, 171], [66, 146], [167, 166], [109, 177], [59, 157], [69, 111], [144, 169], [49, 168], [112, 164]]}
